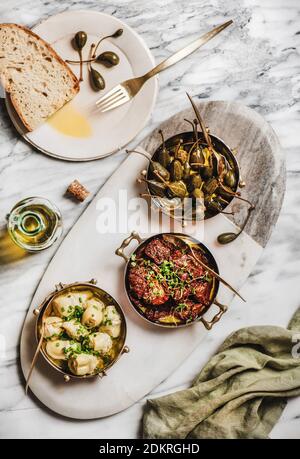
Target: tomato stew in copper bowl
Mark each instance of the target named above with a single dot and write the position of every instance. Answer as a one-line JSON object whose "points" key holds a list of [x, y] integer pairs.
{"points": [[171, 279]]}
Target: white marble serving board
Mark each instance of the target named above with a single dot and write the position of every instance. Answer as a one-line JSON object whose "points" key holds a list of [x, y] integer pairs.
{"points": [[155, 353]]}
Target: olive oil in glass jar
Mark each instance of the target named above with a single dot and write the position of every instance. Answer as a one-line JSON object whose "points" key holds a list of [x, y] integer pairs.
{"points": [[34, 224]]}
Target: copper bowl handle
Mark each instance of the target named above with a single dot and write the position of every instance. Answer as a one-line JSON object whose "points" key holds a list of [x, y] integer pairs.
{"points": [[208, 324], [120, 251]]}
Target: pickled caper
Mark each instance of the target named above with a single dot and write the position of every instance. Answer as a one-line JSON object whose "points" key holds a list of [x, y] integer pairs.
{"points": [[155, 167], [176, 170], [226, 238], [214, 206], [158, 169], [186, 170], [196, 158], [79, 40], [164, 156], [206, 172], [108, 59], [197, 193], [230, 179], [96, 80], [182, 155], [117, 33], [177, 189], [224, 194], [157, 188], [194, 181], [210, 186]]}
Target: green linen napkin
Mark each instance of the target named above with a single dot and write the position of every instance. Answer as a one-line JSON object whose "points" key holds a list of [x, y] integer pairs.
{"points": [[240, 393]]}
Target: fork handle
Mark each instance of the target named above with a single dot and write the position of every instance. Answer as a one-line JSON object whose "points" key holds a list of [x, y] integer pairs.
{"points": [[186, 51]]}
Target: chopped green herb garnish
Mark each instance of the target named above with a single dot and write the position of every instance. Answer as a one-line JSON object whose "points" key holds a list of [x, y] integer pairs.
{"points": [[106, 359], [180, 307]]}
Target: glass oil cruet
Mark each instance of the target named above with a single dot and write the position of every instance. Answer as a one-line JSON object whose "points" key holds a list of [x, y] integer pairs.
{"points": [[34, 224]]}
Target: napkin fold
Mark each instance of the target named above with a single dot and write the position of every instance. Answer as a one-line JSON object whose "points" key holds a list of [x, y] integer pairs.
{"points": [[240, 393]]}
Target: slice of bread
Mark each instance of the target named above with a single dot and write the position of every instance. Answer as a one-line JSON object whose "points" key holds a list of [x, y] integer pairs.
{"points": [[38, 81]]}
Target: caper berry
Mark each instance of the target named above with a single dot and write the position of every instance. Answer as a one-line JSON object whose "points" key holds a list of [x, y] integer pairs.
{"points": [[226, 238], [160, 170], [80, 40], [197, 193], [164, 157], [177, 189], [197, 158], [96, 80], [186, 170], [207, 172], [230, 179], [195, 181], [176, 170], [117, 33], [182, 155], [108, 59]]}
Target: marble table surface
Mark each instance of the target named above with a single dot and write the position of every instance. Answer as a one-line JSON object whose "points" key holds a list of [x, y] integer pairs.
{"points": [[257, 65]]}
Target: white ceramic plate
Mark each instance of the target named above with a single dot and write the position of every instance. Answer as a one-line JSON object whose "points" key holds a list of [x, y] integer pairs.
{"points": [[109, 131]]}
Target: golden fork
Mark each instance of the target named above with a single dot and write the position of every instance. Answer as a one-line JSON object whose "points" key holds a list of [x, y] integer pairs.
{"points": [[124, 92]]}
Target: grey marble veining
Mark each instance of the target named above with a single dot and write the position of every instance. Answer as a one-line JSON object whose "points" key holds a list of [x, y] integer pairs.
{"points": [[257, 63]]}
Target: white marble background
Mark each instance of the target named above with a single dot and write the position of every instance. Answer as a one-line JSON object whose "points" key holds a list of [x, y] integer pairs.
{"points": [[259, 65]]}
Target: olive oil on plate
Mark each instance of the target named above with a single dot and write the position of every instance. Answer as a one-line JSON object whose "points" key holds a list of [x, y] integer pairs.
{"points": [[70, 122]]}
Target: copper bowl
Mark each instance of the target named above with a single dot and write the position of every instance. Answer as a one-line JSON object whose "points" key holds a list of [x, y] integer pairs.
{"points": [[167, 205], [44, 310], [211, 263]]}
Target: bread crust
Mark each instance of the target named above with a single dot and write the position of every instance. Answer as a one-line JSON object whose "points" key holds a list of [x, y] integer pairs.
{"points": [[76, 86]]}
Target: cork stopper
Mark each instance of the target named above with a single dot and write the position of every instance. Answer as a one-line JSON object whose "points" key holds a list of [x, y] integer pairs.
{"points": [[78, 191]]}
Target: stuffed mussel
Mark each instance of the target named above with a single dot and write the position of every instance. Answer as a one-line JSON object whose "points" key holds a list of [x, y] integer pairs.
{"points": [[80, 330]]}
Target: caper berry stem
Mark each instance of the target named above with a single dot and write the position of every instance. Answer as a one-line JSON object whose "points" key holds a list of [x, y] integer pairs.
{"points": [[90, 55], [79, 42], [150, 161], [162, 138], [195, 129], [202, 125], [81, 69], [116, 34], [226, 238], [140, 153], [157, 174], [192, 124], [85, 61], [237, 195]]}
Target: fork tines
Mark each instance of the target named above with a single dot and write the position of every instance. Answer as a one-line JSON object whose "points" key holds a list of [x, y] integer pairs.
{"points": [[114, 98]]}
